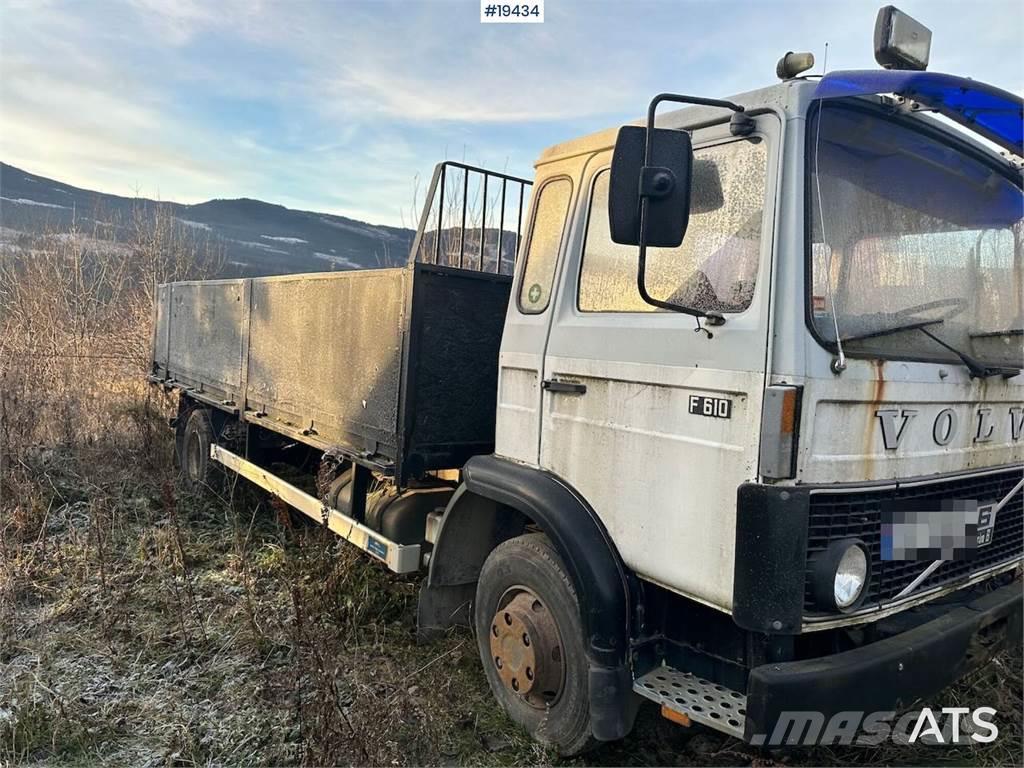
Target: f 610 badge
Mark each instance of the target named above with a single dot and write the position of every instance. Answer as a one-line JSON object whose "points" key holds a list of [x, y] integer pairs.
{"points": [[715, 407]]}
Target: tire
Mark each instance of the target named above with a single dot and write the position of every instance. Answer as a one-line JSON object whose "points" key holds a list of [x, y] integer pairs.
{"points": [[527, 571], [194, 460]]}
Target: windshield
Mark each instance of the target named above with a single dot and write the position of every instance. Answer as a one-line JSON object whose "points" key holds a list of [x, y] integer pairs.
{"points": [[907, 228]]}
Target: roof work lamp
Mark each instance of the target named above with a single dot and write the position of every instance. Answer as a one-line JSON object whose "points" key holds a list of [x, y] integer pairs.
{"points": [[901, 42]]}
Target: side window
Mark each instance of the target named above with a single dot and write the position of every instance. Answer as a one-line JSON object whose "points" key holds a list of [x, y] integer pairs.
{"points": [[542, 246], [714, 268]]}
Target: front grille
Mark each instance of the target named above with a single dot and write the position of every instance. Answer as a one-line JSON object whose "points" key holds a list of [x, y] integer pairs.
{"points": [[858, 515]]}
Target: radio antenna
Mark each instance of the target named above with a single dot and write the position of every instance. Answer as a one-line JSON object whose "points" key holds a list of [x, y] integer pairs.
{"points": [[824, 64]]}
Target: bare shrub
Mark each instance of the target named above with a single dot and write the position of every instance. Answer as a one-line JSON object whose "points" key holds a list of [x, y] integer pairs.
{"points": [[83, 451], [75, 328]]}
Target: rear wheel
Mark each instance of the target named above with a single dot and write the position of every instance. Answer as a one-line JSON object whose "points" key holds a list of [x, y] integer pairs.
{"points": [[531, 642], [194, 449]]}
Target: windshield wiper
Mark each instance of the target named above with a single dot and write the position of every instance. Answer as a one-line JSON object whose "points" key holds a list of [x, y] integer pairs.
{"points": [[977, 370], [894, 329]]}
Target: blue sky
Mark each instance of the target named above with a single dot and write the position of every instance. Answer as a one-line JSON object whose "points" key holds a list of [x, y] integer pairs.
{"points": [[340, 106]]}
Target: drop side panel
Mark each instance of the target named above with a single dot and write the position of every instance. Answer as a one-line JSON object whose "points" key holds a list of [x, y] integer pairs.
{"points": [[325, 355], [203, 344]]}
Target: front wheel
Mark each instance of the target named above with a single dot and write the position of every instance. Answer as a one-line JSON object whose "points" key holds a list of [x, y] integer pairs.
{"points": [[531, 642]]}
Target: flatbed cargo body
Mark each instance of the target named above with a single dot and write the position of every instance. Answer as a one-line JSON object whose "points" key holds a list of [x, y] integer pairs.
{"points": [[394, 368]]}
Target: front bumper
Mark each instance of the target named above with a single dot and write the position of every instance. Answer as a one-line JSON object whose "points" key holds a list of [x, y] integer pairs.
{"points": [[890, 674]]}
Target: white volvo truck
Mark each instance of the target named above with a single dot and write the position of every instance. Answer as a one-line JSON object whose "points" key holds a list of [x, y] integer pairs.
{"points": [[659, 446]]}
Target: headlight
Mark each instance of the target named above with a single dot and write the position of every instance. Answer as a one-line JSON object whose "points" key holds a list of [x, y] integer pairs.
{"points": [[851, 576], [840, 575]]}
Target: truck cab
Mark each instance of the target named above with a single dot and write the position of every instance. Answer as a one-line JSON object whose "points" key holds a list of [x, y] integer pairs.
{"points": [[831, 213], [861, 260]]}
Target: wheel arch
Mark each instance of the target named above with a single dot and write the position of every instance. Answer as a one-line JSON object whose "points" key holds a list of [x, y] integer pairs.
{"points": [[498, 498], [496, 501]]}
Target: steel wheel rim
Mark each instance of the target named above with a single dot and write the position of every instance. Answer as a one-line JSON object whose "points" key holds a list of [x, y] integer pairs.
{"points": [[526, 648]]}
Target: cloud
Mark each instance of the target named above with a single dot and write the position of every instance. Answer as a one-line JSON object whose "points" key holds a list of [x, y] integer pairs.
{"points": [[340, 106], [178, 22], [381, 60]]}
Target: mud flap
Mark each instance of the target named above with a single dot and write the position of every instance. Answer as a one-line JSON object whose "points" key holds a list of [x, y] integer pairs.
{"points": [[613, 706], [441, 607]]}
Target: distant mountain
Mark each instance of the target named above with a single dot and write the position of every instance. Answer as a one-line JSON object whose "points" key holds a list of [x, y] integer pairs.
{"points": [[257, 238]]}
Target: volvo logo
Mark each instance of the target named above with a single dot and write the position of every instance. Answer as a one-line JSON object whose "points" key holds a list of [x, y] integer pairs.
{"points": [[896, 422]]}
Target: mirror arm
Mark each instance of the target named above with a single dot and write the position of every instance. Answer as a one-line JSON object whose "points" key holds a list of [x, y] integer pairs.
{"points": [[641, 275], [742, 125]]}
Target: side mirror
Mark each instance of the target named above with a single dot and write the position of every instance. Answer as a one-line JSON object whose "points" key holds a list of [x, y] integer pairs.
{"points": [[649, 190], [664, 181]]}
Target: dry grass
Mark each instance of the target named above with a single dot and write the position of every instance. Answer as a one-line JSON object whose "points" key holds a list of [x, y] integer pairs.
{"points": [[146, 627], [143, 626]]}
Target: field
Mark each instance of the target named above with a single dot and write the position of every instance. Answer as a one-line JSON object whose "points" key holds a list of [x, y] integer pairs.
{"points": [[141, 625]]}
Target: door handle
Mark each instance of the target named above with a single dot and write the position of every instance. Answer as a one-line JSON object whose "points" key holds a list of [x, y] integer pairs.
{"points": [[566, 387]]}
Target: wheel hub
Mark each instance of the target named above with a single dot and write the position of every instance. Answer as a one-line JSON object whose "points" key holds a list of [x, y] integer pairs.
{"points": [[526, 649]]}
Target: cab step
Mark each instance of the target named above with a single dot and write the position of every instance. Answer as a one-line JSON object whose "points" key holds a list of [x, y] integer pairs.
{"points": [[702, 701]]}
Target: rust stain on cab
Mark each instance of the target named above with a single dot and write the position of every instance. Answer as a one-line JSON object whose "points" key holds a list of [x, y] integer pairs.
{"points": [[879, 384], [877, 398]]}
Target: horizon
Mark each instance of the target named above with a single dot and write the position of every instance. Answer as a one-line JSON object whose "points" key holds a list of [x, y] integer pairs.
{"points": [[345, 108], [169, 201]]}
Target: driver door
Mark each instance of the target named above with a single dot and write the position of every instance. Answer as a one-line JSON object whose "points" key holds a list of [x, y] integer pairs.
{"points": [[656, 424]]}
